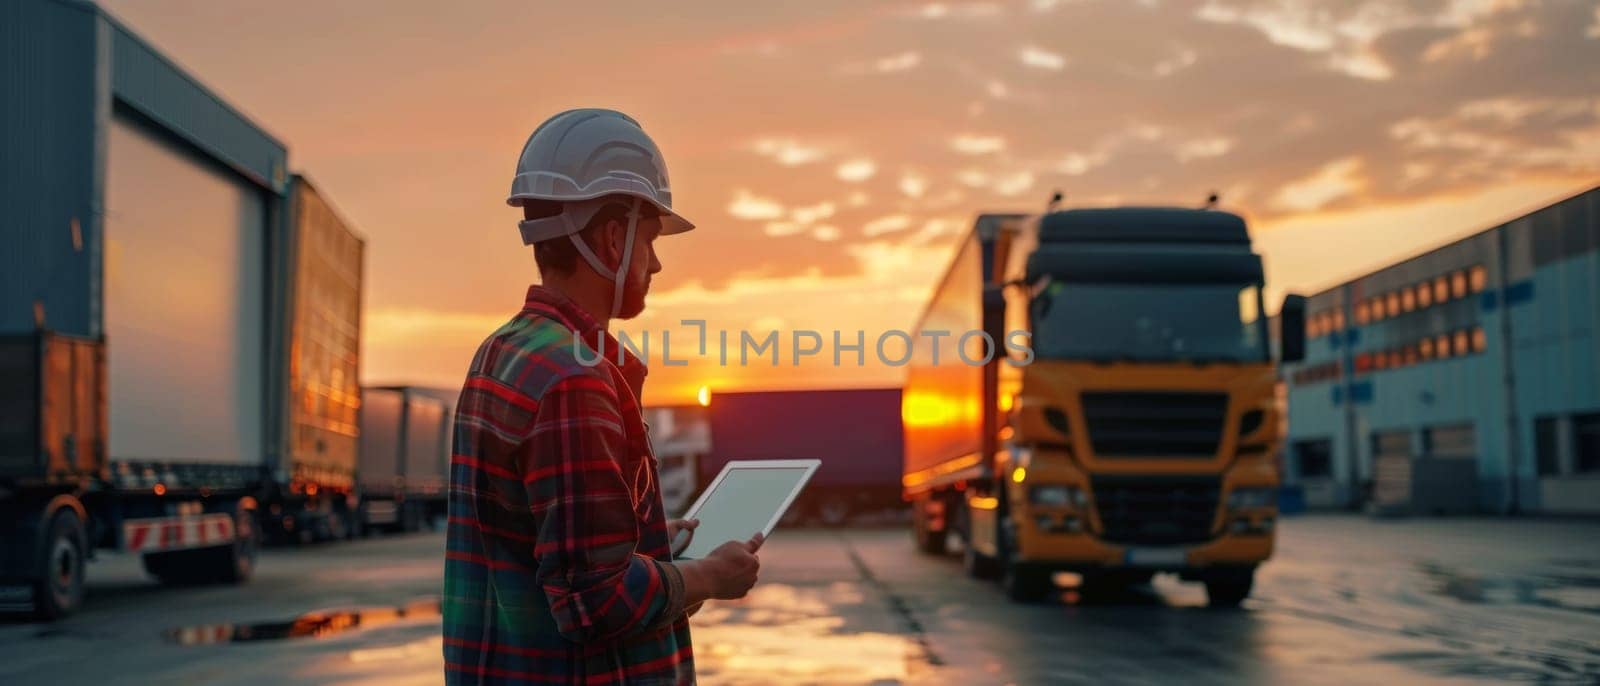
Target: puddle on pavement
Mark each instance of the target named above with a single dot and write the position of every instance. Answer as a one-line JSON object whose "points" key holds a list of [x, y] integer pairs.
{"points": [[1563, 591], [309, 625], [782, 633]]}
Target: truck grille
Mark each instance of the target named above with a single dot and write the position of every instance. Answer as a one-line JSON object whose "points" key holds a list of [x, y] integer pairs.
{"points": [[1156, 511], [1155, 424]]}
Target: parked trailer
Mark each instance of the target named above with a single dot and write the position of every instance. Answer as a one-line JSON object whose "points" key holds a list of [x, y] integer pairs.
{"points": [[855, 433], [146, 303], [324, 262], [405, 456]]}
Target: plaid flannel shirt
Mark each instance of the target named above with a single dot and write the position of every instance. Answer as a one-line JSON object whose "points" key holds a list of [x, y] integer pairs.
{"points": [[557, 563]]}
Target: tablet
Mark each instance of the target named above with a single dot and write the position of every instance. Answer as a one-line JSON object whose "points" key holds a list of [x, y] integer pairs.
{"points": [[747, 498]]}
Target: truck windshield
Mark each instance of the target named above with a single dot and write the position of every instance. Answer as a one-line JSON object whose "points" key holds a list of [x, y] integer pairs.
{"points": [[1194, 322]]}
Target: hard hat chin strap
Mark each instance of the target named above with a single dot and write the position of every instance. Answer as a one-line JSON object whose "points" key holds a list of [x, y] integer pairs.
{"points": [[621, 273]]}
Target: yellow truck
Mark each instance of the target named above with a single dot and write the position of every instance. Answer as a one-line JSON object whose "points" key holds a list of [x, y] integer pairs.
{"points": [[1092, 390]]}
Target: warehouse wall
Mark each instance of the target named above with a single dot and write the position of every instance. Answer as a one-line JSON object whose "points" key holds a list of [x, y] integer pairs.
{"points": [[54, 101], [1476, 351]]}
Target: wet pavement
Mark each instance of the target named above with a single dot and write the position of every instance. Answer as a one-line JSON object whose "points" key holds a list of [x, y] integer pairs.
{"points": [[1345, 600]]}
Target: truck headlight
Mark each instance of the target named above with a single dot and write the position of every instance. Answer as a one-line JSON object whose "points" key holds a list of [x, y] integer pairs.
{"points": [[1246, 498], [1057, 496]]}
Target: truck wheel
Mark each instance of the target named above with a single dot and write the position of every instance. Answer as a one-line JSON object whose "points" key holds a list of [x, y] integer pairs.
{"points": [[237, 563], [1024, 584], [59, 589], [355, 526], [980, 566], [928, 542], [410, 517], [1229, 587]]}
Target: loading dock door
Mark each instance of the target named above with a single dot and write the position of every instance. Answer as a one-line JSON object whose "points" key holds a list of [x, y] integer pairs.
{"points": [[1391, 466], [184, 304]]}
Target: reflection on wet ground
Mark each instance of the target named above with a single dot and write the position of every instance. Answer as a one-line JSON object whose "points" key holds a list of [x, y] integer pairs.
{"points": [[1558, 590], [1344, 600], [784, 633], [314, 624]]}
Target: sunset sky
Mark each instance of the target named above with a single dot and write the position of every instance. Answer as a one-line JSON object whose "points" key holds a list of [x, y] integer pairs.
{"points": [[832, 151]]}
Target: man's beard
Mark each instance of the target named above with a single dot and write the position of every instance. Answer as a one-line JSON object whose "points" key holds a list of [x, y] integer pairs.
{"points": [[633, 301]]}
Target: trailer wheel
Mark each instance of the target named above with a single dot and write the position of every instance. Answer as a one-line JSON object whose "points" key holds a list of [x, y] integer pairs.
{"points": [[927, 541], [59, 589]]}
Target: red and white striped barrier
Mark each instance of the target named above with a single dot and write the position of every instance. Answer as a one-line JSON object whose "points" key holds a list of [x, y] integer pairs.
{"points": [[176, 533]]}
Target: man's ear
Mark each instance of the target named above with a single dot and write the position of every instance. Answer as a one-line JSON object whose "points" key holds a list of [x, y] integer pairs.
{"points": [[614, 233]]}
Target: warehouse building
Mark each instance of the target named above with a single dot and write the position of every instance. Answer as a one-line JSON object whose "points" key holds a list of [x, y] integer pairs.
{"points": [[1465, 379]]}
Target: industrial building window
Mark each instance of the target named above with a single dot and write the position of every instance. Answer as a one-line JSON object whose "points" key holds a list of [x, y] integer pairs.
{"points": [[1478, 278], [1424, 295], [1586, 443], [1547, 445], [1338, 319], [1463, 341], [1392, 304], [1408, 299], [1441, 345], [1361, 312], [1441, 289], [1314, 458], [1458, 284], [1480, 340], [1426, 348]]}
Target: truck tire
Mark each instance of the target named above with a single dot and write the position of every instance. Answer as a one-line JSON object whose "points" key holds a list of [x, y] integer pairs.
{"points": [[980, 566], [58, 592], [928, 542], [338, 525], [410, 517], [1025, 584], [1229, 587]]}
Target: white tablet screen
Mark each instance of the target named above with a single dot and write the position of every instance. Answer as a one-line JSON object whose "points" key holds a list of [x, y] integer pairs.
{"points": [[743, 503]]}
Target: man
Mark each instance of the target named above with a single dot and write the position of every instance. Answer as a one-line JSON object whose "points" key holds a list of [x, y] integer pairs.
{"points": [[557, 563]]}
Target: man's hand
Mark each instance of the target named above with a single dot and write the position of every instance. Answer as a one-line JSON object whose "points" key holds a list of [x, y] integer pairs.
{"points": [[727, 573], [674, 527]]}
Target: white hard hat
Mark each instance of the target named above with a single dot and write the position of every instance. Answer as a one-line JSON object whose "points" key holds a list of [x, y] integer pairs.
{"points": [[579, 156]]}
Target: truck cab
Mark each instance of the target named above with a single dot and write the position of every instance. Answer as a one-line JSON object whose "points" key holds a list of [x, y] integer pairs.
{"points": [[1138, 432]]}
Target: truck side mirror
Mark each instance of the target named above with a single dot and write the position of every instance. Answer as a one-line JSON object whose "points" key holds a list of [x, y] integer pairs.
{"points": [[1292, 329]]}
